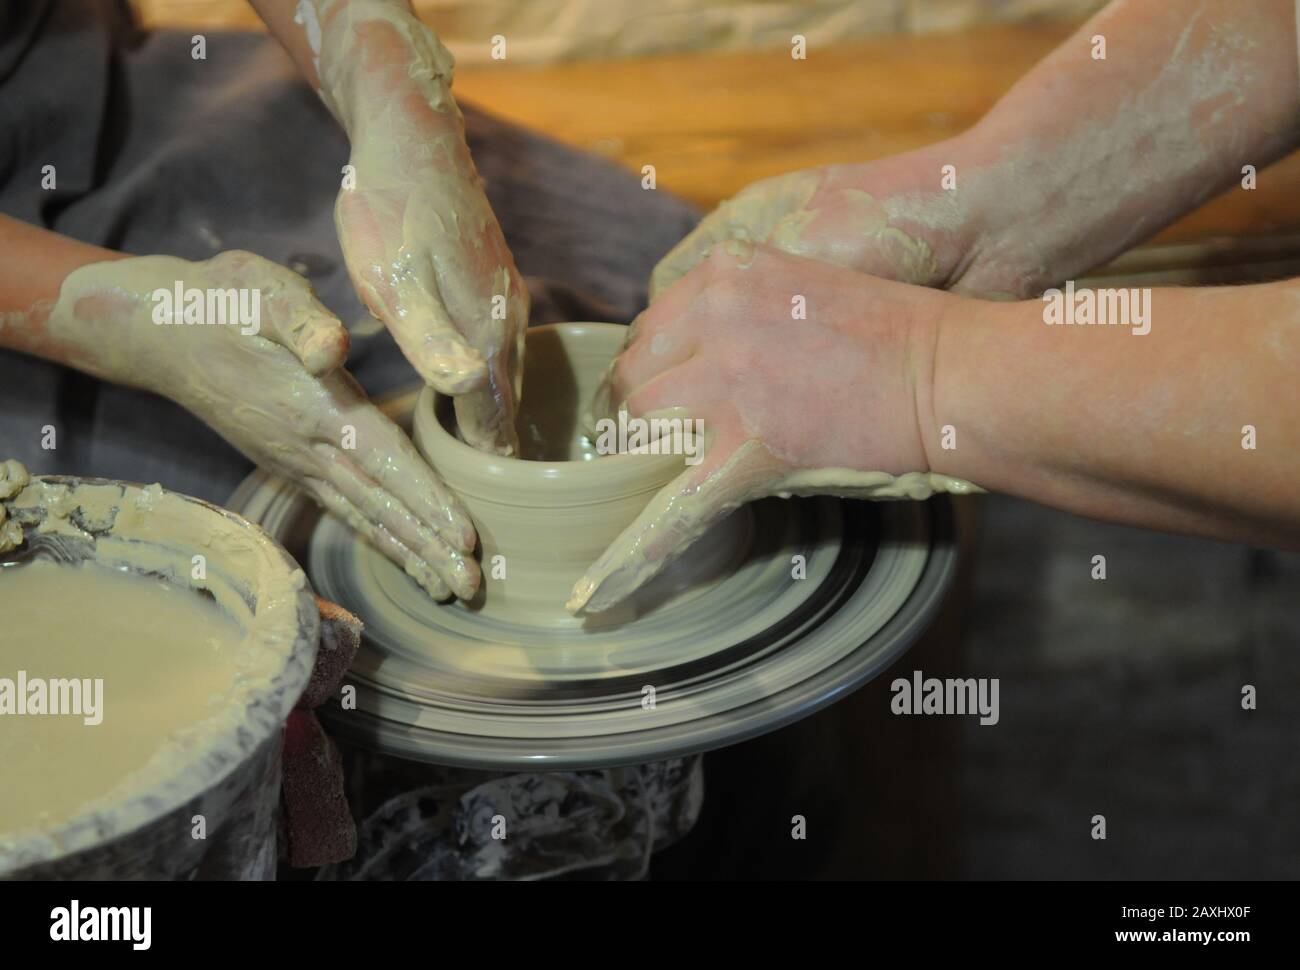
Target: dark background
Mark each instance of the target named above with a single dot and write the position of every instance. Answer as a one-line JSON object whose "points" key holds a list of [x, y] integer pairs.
{"points": [[1119, 697]]}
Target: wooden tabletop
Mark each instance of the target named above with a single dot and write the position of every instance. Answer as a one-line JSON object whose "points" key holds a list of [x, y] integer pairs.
{"points": [[712, 123]]}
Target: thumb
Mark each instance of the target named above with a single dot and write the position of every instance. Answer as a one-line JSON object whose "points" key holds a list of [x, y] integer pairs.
{"points": [[405, 297], [688, 253], [430, 341], [730, 475], [315, 337]]}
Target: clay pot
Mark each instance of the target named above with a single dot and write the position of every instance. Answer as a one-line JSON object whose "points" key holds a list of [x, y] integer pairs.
{"points": [[551, 513], [232, 778]]}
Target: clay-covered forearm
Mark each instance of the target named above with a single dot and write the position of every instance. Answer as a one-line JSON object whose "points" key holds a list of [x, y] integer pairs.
{"points": [[296, 26], [1086, 156], [359, 53], [36, 263], [1192, 426]]}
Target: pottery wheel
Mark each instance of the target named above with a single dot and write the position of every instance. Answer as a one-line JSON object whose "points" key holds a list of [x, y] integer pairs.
{"points": [[750, 650]]}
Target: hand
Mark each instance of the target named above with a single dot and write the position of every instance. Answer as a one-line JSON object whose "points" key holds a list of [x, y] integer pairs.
{"points": [[420, 240], [275, 390], [838, 403], [891, 218]]}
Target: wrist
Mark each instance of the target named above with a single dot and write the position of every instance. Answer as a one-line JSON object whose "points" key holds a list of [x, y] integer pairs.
{"points": [[928, 335], [992, 263], [377, 54], [103, 321], [958, 215], [943, 197], [954, 413]]}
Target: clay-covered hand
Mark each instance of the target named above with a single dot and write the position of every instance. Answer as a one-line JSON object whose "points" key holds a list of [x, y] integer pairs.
{"points": [[897, 218], [258, 359], [422, 245], [808, 378]]}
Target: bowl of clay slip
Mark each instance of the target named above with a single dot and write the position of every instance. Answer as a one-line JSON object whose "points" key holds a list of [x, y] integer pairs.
{"points": [[227, 768], [544, 517]]}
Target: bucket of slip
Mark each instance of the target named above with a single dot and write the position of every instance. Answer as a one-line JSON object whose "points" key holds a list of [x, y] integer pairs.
{"points": [[204, 803]]}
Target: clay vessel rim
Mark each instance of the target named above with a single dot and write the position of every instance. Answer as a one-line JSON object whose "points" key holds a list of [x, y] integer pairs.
{"points": [[518, 482]]}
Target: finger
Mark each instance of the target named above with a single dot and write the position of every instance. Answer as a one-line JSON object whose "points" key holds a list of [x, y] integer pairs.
{"points": [[688, 253], [515, 363], [388, 457], [13, 478], [657, 334], [657, 348], [298, 322], [319, 341], [733, 472], [395, 465], [322, 346], [382, 539], [289, 313], [486, 418], [687, 388], [425, 333], [438, 352], [634, 368], [383, 509]]}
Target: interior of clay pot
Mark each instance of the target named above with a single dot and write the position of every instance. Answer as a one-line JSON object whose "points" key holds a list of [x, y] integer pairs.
{"points": [[564, 362], [542, 519], [155, 533]]}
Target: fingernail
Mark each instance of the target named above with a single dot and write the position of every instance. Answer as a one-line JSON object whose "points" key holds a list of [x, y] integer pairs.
{"points": [[581, 593]]}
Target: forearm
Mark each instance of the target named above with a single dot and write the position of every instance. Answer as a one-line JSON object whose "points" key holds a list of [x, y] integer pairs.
{"points": [[296, 26], [1146, 429], [1083, 157], [358, 54], [36, 263]]}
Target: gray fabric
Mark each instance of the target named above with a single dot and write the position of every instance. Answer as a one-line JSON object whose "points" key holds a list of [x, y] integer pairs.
{"points": [[159, 153]]}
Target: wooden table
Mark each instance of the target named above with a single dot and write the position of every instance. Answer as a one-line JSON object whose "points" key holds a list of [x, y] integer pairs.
{"points": [[711, 124]]}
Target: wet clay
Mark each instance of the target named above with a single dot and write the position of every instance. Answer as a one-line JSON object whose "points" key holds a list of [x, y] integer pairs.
{"points": [[637, 556], [154, 530], [542, 522], [106, 323], [166, 660], [786, 213], [13, 479], [106, 579]]}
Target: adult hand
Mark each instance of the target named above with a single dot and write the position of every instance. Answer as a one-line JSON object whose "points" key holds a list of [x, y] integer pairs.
{"points": [[900, 218], [837, 403]]}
